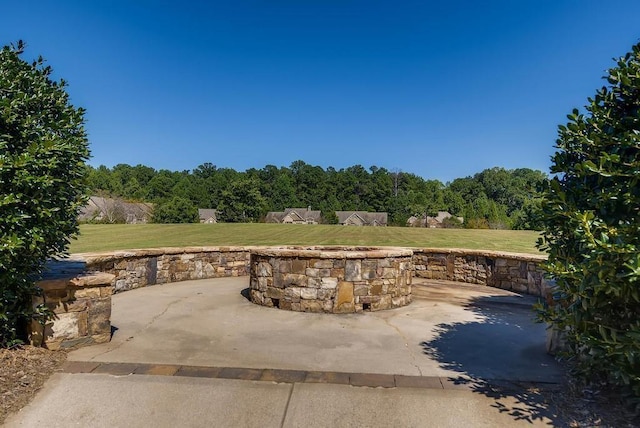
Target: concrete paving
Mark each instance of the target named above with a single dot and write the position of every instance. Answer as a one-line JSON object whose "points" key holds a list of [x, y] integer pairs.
{"points": [[459, 355]]}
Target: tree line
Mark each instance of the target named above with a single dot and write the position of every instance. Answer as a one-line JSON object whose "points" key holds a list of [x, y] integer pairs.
{"points": [[494, 198]]}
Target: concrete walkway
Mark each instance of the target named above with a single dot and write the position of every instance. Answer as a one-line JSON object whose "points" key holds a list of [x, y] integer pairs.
{"points": [[198, 353]]}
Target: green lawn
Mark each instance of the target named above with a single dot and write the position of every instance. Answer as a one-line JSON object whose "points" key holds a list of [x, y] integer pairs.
{"points": [[98, 237]]}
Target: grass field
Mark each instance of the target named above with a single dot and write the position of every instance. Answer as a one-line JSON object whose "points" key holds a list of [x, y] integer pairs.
{"points": [[99, 237]]}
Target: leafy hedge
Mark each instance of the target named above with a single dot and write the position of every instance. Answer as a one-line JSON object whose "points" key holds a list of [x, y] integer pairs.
{"points": [[591, 215], [43, 147]]}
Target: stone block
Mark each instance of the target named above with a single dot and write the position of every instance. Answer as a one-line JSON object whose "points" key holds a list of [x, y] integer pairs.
{"points": [[314, 282], [294, 279], [99, 316], [264, 269], [87, 293], [261, 283], [274, 293], [293, 294], [65, 326], [376, 289], [321, 263], [327, 306], [383, 303], [312, 272], [353, 270], [209, 270], [309, 293], [324, 272], [311, 306], [384, 263], [121, 285], [360, 289], [344, 301], [338, 273], [106, 291], [60, 307], [284, 266], [326, 294], [329, 283], [256, 296], [285, 304], [298, 266], [278, 280]]}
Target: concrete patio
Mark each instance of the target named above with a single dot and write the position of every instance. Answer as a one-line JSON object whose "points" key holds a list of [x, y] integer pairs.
{"points": [[198, 353]]}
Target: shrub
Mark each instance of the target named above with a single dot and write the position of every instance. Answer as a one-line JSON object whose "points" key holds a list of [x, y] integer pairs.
{"points": [[591, 218], [176, 210], [43, 147]]}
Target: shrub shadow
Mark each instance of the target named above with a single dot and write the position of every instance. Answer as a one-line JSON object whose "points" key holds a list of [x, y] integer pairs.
{"points": [[502, 355]]}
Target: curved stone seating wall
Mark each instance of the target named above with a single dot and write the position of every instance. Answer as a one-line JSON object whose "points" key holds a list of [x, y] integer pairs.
{"points": [[79, 289], [139, 268], [516, 272], [331, 279]]}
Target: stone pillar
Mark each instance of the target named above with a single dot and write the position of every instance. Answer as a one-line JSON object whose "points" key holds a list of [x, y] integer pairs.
{"points": [[81, 304]]}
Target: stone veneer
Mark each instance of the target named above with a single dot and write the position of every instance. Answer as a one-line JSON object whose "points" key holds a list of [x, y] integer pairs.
{"points": [[516, 272], [79, 292], [81, 303], [139, 268], [331, 279]]}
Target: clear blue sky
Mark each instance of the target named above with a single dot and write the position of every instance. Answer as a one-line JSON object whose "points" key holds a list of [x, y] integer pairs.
{"points": [[442, 89]]}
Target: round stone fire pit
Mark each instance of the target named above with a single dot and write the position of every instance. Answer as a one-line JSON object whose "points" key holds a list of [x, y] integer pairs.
{"points": [[331, 279]]}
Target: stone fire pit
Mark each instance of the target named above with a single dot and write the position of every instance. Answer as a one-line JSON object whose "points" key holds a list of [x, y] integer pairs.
{"points": [[331, 279]]}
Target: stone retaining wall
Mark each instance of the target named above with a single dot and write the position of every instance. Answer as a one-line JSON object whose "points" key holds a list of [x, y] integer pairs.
{"points": [[334, 280]]}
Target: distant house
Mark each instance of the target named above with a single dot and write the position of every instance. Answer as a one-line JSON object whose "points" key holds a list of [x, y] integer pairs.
{"points": [[115, 210], [208, 215], [361, 218], [432, 222], [294, 216]]}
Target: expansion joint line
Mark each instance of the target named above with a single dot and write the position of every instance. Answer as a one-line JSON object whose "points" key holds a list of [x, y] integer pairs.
{"points": [[286, 407]]}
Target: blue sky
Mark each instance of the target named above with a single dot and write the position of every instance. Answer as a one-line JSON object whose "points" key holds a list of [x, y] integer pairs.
{"points": [[440, 89]]}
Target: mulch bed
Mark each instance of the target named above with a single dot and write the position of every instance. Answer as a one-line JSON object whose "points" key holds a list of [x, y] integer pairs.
{"points": [[23, 371]]}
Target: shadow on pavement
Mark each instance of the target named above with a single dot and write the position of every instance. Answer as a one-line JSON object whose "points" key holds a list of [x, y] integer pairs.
{"points": [[502, 356]]}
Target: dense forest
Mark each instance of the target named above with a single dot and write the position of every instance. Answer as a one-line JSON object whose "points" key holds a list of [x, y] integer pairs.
{"points": [[494, 198]]}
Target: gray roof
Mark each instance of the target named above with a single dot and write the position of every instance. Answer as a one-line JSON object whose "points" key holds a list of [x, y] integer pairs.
{"points": [[205, 213], [366, 217], [304, 214], [99, 207]]}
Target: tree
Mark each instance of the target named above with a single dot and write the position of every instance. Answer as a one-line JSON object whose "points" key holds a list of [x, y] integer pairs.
{"points": [[242, 202], [43, 147], [176, 210], [591, 217]]}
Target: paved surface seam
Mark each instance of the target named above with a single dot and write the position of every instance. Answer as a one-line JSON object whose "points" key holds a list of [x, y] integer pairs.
{"points": [[372, 380]]}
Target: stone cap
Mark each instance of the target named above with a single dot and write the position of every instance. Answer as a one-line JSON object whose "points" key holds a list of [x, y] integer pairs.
{"points": [[334, 252], [484, 253], [84, 279], [106, 256], [310, 251]]}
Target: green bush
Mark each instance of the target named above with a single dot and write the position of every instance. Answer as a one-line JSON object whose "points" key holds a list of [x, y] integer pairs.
{"points": [[175, 210], [43, 147], [591, 218]]}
